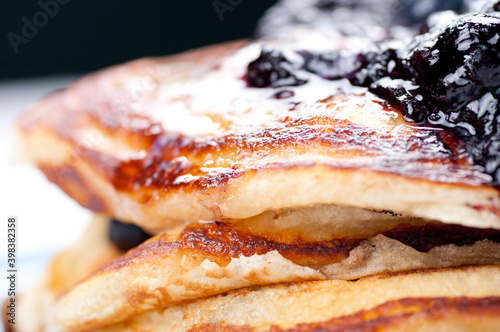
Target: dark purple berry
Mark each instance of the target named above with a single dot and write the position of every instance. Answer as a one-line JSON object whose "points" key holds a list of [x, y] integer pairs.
{"points": [[457, 72], [272, 69], [284, 94], [399, 96], [461, 62], [332, 66], [327, 4], [126, 236], [448, 77], [377, 65], [360, 69]]}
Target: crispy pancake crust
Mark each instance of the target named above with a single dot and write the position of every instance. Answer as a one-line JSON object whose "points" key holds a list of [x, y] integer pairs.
{"points": [[455, 299], [164, 141], [201, 260]]}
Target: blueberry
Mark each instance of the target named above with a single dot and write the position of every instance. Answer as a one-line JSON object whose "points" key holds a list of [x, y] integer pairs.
{"points": [[399, 96], [361, 69], [447, 77], [126, 236], [284, 94], [460, 62], [458, 73], [332, 66], [327, 4], [377, 65], [271, 69]]}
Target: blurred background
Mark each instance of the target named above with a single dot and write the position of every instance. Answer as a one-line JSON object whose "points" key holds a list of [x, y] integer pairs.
{"points": [[48, 37], [46, 44]]}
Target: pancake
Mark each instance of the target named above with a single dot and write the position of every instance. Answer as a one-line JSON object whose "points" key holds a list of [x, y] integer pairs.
{"points": [[68, 268], [304, 183], [164, 141], [459, 299], [204, 259]]}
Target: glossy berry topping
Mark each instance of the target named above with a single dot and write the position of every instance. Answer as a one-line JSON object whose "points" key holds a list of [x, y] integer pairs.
{"points": [[455, 78], [272, 69], [332, 66], [447, 77], [461, 64]]}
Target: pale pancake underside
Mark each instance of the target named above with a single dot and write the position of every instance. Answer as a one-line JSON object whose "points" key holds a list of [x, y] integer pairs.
{"points": [[166, 270], [286, 305], [93, 250]]}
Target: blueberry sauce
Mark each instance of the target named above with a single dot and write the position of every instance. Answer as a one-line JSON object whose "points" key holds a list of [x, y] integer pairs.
{"points": [[272, 69], [448, 77], [126, 236], [284, 94]]}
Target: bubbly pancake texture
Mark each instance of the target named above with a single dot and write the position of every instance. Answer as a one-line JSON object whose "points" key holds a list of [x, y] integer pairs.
{"points": [[160, 142], [201, 260]]}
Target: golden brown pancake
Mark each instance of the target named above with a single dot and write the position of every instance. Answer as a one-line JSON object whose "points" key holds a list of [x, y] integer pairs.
{"points": [[204, 259], [164, 141], [296, 192], [455, 299]]}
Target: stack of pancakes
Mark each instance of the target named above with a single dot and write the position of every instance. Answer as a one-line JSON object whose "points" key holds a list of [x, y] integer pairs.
{"points": [[325, 211]]}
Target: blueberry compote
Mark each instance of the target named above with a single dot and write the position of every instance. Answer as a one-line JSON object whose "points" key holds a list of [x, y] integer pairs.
{"points": [[126, 236], [272, 69], [448, 76]]}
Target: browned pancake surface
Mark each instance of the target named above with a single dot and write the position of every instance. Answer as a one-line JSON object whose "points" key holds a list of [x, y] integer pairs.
{"points": [[201, 260], [163, 141]]}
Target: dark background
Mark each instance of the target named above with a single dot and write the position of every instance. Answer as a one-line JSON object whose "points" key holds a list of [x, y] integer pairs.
{"points": [[84, 35]]}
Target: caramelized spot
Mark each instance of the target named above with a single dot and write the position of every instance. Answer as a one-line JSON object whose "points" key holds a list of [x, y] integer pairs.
{"points": [[343, 143], [212, 327], [407, 311], [223, 242]]}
